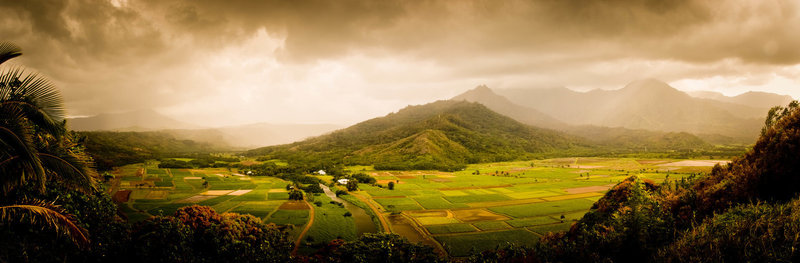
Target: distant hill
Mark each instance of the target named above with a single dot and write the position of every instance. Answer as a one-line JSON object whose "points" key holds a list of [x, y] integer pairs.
{"points": [[110, 149], [242, 136], [141, 120], [255, 135], [443, 135], [612, 138], [756, 99], [646, 104]]}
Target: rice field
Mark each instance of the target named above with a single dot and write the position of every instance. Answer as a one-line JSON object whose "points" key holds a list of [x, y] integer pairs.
{"points": [[482, 207]]}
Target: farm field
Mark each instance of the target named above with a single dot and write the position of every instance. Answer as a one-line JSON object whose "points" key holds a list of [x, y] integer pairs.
{"points": [[487, 205], [506, 202], [148, 191]]}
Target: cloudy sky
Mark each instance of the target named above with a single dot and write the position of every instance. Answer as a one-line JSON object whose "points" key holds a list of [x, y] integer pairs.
{"points": [[232, 62]]}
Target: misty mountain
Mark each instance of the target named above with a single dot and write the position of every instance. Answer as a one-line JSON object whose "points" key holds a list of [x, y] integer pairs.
{"points": [[241, 136], [645, 104], [483, 95], [442, 135], [614, 138], [255, 135], [141, 120], [756, 99]]}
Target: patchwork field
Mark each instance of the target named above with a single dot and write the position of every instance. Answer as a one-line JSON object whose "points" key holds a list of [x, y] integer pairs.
{"points": [[151, 191], [493, 204], [481, 207]]}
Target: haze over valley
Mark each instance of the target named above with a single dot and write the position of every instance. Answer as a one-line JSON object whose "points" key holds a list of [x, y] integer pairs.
{"points": [[399, 131]]}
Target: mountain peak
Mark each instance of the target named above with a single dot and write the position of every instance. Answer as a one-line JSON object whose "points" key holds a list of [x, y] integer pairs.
{"points": [[648, 83]]}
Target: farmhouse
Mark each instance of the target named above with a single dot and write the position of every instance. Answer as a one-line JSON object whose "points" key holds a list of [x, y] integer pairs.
{"points": [[343, 181], [321, 172]]}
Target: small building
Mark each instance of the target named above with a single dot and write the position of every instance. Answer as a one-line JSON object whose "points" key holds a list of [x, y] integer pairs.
{"points": [[321, 172], [343, 181]]}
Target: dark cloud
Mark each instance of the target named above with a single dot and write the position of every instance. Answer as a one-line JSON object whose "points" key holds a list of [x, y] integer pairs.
{"points": [[122, 55]]}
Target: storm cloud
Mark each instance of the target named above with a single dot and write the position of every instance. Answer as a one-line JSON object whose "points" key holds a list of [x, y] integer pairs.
{"points": [[229, 62]]}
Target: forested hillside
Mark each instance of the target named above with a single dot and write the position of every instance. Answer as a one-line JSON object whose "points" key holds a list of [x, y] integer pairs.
{"points": [[441, 135]]}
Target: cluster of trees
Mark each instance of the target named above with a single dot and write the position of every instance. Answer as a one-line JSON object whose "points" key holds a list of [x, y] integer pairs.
{"points": [[200, 162]]}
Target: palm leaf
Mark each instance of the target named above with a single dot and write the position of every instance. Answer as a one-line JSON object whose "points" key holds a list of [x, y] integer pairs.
{"points": [[8, 51], [70, 170], [36, 97], [20, 161], [47, 215]]}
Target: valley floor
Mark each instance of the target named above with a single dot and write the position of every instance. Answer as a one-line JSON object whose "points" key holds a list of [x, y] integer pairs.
{"points": [[479, 208]]}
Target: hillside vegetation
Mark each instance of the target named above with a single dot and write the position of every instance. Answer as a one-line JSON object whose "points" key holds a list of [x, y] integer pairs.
{"points": [[110, 149], [443, 135]]}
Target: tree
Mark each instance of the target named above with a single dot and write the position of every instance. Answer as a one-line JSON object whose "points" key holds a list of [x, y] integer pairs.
{"points": [[37, 148], [295, 195], [391, 185], [352, 185]]}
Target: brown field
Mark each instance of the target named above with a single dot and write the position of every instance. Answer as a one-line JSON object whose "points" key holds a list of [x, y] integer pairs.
{"points": [[586, 166], [441, 180], [239, 192], [294, 205], [650, 161], [121, 196], [471, 215]]}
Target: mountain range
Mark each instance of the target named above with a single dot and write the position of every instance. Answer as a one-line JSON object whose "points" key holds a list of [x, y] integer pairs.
{"points": [[648, 105]]}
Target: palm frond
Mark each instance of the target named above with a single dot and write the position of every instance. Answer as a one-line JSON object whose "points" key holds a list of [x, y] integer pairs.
{"points": [[47, 215], [8, 51], [35, 96], [20, 161], [71, 170]]}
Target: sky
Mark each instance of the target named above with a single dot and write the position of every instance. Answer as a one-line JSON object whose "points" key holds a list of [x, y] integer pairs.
{"points": [[215, 63]]}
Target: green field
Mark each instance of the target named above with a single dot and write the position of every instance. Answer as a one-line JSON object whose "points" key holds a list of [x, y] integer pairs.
{"points": [[482, 207], [174, 188], [509, 201]]}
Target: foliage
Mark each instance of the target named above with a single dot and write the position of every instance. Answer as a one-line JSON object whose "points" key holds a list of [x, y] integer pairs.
{"points": [[36, 151], [363, 178], [111, 149], [295, 195], [376, 248], [352, 185], [759, 232], [199, 234]]}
